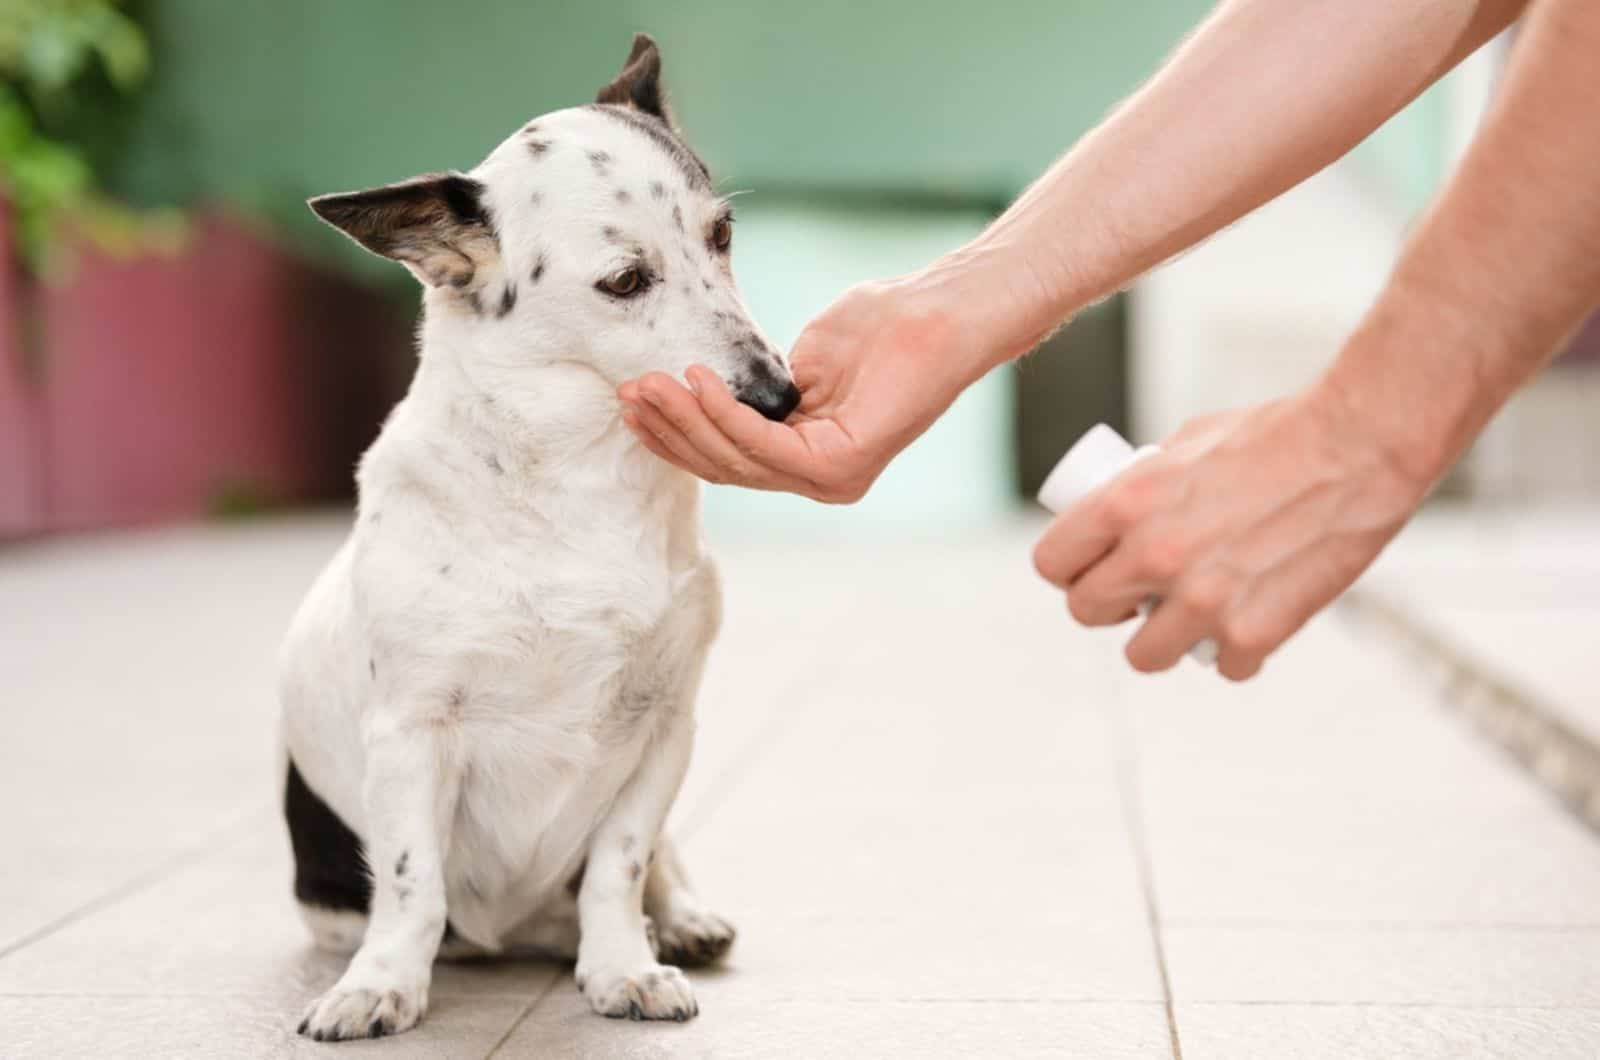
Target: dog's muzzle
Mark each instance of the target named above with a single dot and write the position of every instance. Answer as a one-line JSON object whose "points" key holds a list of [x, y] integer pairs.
{"points": [[772, 395]]}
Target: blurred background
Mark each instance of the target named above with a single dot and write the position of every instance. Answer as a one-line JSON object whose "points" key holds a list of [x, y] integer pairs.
{"points": [[1320, 863], [179, 339]]}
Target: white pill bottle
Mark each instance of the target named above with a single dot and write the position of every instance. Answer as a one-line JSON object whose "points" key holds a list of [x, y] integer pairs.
{"points": [[1096, 458]]}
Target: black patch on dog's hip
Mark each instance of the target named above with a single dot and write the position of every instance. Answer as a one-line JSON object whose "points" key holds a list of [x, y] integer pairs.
{"points": [[328, 867]]}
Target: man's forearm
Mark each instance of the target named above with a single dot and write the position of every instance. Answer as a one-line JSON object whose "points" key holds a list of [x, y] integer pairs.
{"points": [[1504, 265], [1261, 96]]}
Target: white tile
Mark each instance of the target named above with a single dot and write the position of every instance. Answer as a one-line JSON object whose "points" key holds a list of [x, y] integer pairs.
{"points": [[1519, 869], [563, 1027], [204, 1028], [226, 925], [1340, 1032], [994, 954], [1391, 965]]}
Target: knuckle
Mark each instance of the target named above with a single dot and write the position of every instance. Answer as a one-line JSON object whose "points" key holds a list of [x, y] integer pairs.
{"points": [[1246, 637], [1203, 595], [843, 487], [1162, 557], [1083, 607], [1127, 504]]}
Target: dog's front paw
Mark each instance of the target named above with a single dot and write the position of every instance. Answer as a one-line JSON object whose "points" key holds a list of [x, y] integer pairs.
{"points": [[693, 939], [654, 992], [344, 1013]]}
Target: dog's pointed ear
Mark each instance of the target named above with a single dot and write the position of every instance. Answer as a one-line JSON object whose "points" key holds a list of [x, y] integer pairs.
{"points": [[436, 225], [639, 84]]}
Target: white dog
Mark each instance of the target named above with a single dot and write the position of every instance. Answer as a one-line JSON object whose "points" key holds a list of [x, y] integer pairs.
{"points": [[488, 695]]}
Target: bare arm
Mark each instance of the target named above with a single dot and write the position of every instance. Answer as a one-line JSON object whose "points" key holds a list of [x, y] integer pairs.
{"points": [[1262, 95], [1247, 524], [1505, 265]]}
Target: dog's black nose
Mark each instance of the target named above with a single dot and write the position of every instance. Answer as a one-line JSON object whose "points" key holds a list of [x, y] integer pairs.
{"points": [[772, 394], [773, 398]]}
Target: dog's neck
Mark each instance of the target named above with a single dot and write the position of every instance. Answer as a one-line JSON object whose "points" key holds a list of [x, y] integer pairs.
{"points": [[558, 442]]}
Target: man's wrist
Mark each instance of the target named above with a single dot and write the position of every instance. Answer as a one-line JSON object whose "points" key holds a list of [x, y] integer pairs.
{"points": [[1415, 376], [999, 305]]}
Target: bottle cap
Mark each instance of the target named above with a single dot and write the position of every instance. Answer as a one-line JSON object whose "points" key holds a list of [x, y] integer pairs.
{"points": [[1093, 459]]}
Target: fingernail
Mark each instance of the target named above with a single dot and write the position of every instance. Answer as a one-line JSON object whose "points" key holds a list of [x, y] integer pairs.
{"points": [[648, 396], [694, 384]]}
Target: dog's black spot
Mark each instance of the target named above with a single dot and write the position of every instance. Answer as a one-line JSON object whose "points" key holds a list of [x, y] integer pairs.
{"points": [[400, 866], [705, 283], [458, 698], [635, 870], [329, 869], [372, 668], [508, 301], [694, 170], [531, 127], [538, 269], [403, 894], [536, 198], [445, 569], [677, 218], [537, 148], [627, 843], [658, 190], [723, 315], [476, 303], [494, 464], [611, 234], [621, 195], [601, 161]]}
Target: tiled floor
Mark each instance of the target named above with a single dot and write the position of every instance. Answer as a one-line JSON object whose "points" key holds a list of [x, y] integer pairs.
{"points": [[1516, 587], [945, 822]]}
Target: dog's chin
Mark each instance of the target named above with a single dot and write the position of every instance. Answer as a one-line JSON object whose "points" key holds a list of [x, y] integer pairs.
{"points": [[774, 398]]}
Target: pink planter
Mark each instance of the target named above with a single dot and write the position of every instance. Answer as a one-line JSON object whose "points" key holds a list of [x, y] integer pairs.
{"points": [[20, 458], [229, 374]]}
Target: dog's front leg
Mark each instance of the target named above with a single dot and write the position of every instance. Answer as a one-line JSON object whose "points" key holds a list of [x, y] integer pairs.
{"points": [[617, 970], [409, 795]]}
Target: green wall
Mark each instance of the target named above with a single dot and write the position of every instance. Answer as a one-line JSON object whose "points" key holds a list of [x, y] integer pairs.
{"points": [[262, 104], [265, 103]]}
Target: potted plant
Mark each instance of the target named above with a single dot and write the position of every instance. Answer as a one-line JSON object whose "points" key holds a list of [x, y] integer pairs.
{"points": [[157, 365]]}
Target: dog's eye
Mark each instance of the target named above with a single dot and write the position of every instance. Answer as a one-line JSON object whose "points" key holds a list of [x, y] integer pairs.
{"points": [[722, 233], [625, 284]]}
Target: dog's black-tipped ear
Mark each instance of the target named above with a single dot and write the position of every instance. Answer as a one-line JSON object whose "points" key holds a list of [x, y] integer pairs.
{"points": [[435, 225], [639, 83]]}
